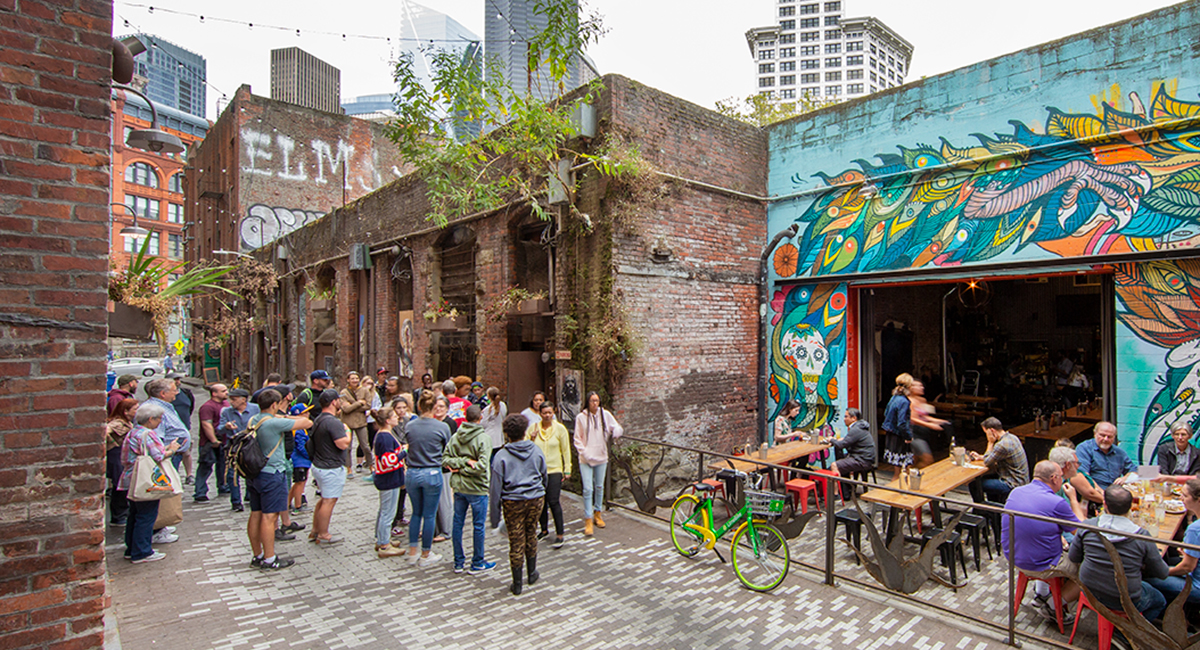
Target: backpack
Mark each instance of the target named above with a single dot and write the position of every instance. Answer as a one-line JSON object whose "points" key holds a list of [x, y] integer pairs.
{"points": [[245, 455]]}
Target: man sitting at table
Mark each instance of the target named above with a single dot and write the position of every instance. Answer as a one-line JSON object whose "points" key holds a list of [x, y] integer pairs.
{"points": [[856, 451], [1176, 457], [1090, 494], [1065, 458], [1006, 457], [1102, 459], [1139, 558], [1041, 542]]}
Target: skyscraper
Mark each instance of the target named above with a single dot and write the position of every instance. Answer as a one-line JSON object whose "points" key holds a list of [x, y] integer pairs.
{"points": [[300, 78], [423, 31], [508, 27], [816, 51], [174, 76]]}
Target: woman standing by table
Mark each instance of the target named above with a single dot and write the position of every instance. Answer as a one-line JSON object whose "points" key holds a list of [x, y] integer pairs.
{"points": [[897, 425]]}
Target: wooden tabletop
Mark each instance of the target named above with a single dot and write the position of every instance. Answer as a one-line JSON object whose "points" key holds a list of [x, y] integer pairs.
{"points": [[1067, 429], [1169, 526], [970, 399], [1093, 417], [939, 478], [950, 408], [778, 455]]}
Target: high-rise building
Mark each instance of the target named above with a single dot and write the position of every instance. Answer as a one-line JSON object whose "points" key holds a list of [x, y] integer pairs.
{"points": [[300, 78], [816, 51], [508, 27], [173, 76], [422, 32]]}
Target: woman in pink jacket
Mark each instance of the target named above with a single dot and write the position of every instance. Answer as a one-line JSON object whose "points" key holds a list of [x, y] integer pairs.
{"points": [[594, 427]]}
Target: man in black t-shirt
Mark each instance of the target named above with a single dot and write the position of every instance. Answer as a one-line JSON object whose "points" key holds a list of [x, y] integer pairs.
{"points": [[330, 439]]}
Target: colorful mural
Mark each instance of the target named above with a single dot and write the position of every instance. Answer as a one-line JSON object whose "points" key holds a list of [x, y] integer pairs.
{"points": [[808, 351], [1116, 181], [1159, 302]]}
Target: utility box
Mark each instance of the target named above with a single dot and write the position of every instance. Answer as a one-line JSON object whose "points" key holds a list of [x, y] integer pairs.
{"points": [[360, 257]]}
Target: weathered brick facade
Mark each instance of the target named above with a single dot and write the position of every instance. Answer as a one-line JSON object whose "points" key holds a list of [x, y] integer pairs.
{"points": [[56, 67]]}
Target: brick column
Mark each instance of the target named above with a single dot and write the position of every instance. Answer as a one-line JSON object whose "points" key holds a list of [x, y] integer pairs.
{"points": [[55, 69]]}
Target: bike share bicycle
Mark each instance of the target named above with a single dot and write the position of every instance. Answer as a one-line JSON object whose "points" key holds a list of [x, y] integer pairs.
{"points": [[759, 551]]}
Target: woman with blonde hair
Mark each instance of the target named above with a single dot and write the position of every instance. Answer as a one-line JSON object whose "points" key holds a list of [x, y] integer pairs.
{"points": [[897, 425]]}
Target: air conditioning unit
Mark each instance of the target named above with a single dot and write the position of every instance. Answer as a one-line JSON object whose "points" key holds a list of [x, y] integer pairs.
{"points": [[360, 257]]}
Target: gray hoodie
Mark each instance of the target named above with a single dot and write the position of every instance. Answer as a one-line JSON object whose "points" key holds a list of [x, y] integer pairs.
{"points": [[518, 474], [1139, 558]]}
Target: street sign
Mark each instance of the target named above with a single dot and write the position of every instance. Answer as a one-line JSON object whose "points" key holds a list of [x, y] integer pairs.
{"points": [[179, 347]]}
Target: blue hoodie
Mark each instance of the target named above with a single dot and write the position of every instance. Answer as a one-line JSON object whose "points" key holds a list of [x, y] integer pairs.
{"points": [[518, 474]]}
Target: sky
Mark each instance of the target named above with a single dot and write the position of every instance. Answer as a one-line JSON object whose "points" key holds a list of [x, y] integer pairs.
{"points": [[693, 49]]}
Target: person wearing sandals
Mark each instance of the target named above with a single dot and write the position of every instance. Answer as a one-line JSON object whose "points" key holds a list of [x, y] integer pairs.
{"points": [[388, 476], [268, 492], [594, 428], [551, 437], [330, 439], [469, 457], [518, 488], [140, 441], [427, 439]]}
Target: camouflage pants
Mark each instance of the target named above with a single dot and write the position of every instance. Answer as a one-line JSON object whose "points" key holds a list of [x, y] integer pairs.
{"points": [[521, 519]]}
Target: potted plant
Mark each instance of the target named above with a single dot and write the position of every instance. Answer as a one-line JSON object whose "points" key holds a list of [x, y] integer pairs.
{"points": [[516, 301], [320, 299], [442, 317]]}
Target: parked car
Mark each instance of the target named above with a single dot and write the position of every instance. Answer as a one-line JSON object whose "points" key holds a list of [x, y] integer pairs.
{"points": [[135, 366]]}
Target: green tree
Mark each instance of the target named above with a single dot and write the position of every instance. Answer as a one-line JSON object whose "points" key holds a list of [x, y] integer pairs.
{"points": [[760, 110]]}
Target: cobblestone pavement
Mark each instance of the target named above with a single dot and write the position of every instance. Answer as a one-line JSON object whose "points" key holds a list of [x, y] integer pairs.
{"points": [[623, 588]]}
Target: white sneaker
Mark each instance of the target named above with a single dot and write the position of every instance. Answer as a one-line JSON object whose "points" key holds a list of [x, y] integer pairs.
{"points": [[412, 557], [429, 560], [163, 537], [153, 557], [169, 529]]}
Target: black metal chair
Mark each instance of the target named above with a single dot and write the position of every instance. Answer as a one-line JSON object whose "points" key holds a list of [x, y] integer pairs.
{"points": [[950, 550], [849, 518]]}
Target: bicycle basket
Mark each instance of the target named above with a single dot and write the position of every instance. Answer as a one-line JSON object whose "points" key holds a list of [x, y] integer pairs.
{"points": [[766, 504]]}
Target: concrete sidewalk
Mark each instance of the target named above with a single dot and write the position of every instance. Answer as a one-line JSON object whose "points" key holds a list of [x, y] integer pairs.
{"points": [[624, 588]]}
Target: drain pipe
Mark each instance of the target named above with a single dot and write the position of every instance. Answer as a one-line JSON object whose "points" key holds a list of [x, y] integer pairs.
{"points": [[762, 328]]}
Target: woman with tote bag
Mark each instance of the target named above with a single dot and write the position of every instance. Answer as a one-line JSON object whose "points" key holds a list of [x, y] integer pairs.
{"points": [[144, 492]]}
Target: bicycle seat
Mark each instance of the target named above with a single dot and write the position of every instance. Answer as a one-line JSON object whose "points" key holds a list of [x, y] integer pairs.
{"points": [[704, 487]]}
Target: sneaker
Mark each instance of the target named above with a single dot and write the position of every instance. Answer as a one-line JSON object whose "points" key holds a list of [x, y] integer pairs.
{"points": [[412, 557], [543, 535], [1046, 611], [294, 527], [278, 563], [429, 560], [304, 501], [558, 542], [397, 531], [458, 568], [481, 568], [164, 537], [189, 481], [237, 507], [387, 550], [283, 536], [153, 557], [199, 499], [256, 563], [169, 529]]}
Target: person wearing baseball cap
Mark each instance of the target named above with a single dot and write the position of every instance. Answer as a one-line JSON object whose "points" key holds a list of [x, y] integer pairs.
{"points": [[319, 380]]}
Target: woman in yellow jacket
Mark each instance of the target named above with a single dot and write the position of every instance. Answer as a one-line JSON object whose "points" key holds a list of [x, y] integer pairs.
{"points": [[552, 438]]}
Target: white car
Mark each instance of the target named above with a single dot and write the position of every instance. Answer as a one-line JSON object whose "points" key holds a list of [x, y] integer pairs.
{"points": [[135, 366]]}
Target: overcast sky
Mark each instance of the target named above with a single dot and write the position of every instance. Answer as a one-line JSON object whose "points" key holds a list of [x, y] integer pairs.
{"points": [[694, 49]]}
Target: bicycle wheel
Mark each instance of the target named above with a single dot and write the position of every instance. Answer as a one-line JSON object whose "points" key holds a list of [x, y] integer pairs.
{"points": [[686, 511], [760, 556]]}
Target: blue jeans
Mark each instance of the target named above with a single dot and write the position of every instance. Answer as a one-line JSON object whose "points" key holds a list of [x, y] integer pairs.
{"points": [[424, 489], [1172, 586], [479, 504], [996, 490], [1152, 603], [387, 512], [593, 487], [139, 528]]}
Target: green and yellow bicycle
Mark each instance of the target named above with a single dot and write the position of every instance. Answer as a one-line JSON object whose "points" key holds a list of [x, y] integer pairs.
{"points": [[759, 551]]}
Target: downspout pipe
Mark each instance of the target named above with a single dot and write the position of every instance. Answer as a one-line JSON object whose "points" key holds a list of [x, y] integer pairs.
{"points": [[762, 327]]}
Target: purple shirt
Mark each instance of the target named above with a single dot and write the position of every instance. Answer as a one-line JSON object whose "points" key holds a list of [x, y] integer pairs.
{"points": [[1040, 545]]}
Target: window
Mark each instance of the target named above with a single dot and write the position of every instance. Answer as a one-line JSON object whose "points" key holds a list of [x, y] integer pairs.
{"points": [[873, 63], [784, 39], [854, 74], [854, 46], [787, 66], [787, 11], [762, 44], [766, 68], [766, 82], [787, 93], [810, 78], [811, 92], [873, 49], [899, 67], [769, 94], [175, 245], [854, 34], [764, 55], [144, 207], [833, 91], [134, 244], [831, 21], [128, 130], [787, 52], [140, 173], [833, 6], [787, 80], [891, 75], [787, 24], [891, 61], [833, 76], [174, 213], [808, 37], [810, 64], [833, 34], [809, 23], [854, 89], [810, 50], [874, 79], [854, 60], [809, 9], [175, 184], [833, 62], [874, 89], [833, 48]]}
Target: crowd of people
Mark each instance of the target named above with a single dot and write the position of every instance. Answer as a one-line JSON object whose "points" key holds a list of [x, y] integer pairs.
{"points": [[446, 448]]}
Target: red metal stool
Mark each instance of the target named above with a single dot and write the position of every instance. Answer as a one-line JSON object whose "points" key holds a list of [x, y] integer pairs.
{"points": [[1055, 590], [718, 487], [820, 481], [800, 489], [1105, 626]]}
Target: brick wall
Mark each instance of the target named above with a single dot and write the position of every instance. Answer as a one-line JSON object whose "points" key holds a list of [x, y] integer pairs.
{"points": [[55, 64]]}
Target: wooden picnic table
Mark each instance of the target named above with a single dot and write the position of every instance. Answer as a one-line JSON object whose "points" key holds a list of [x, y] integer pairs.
{"points": [[1067, 429], [938, 479], [1169, 526], [778, 455]]}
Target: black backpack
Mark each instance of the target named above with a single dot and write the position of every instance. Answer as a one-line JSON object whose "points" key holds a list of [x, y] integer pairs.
{"points": [[245, 455]]}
